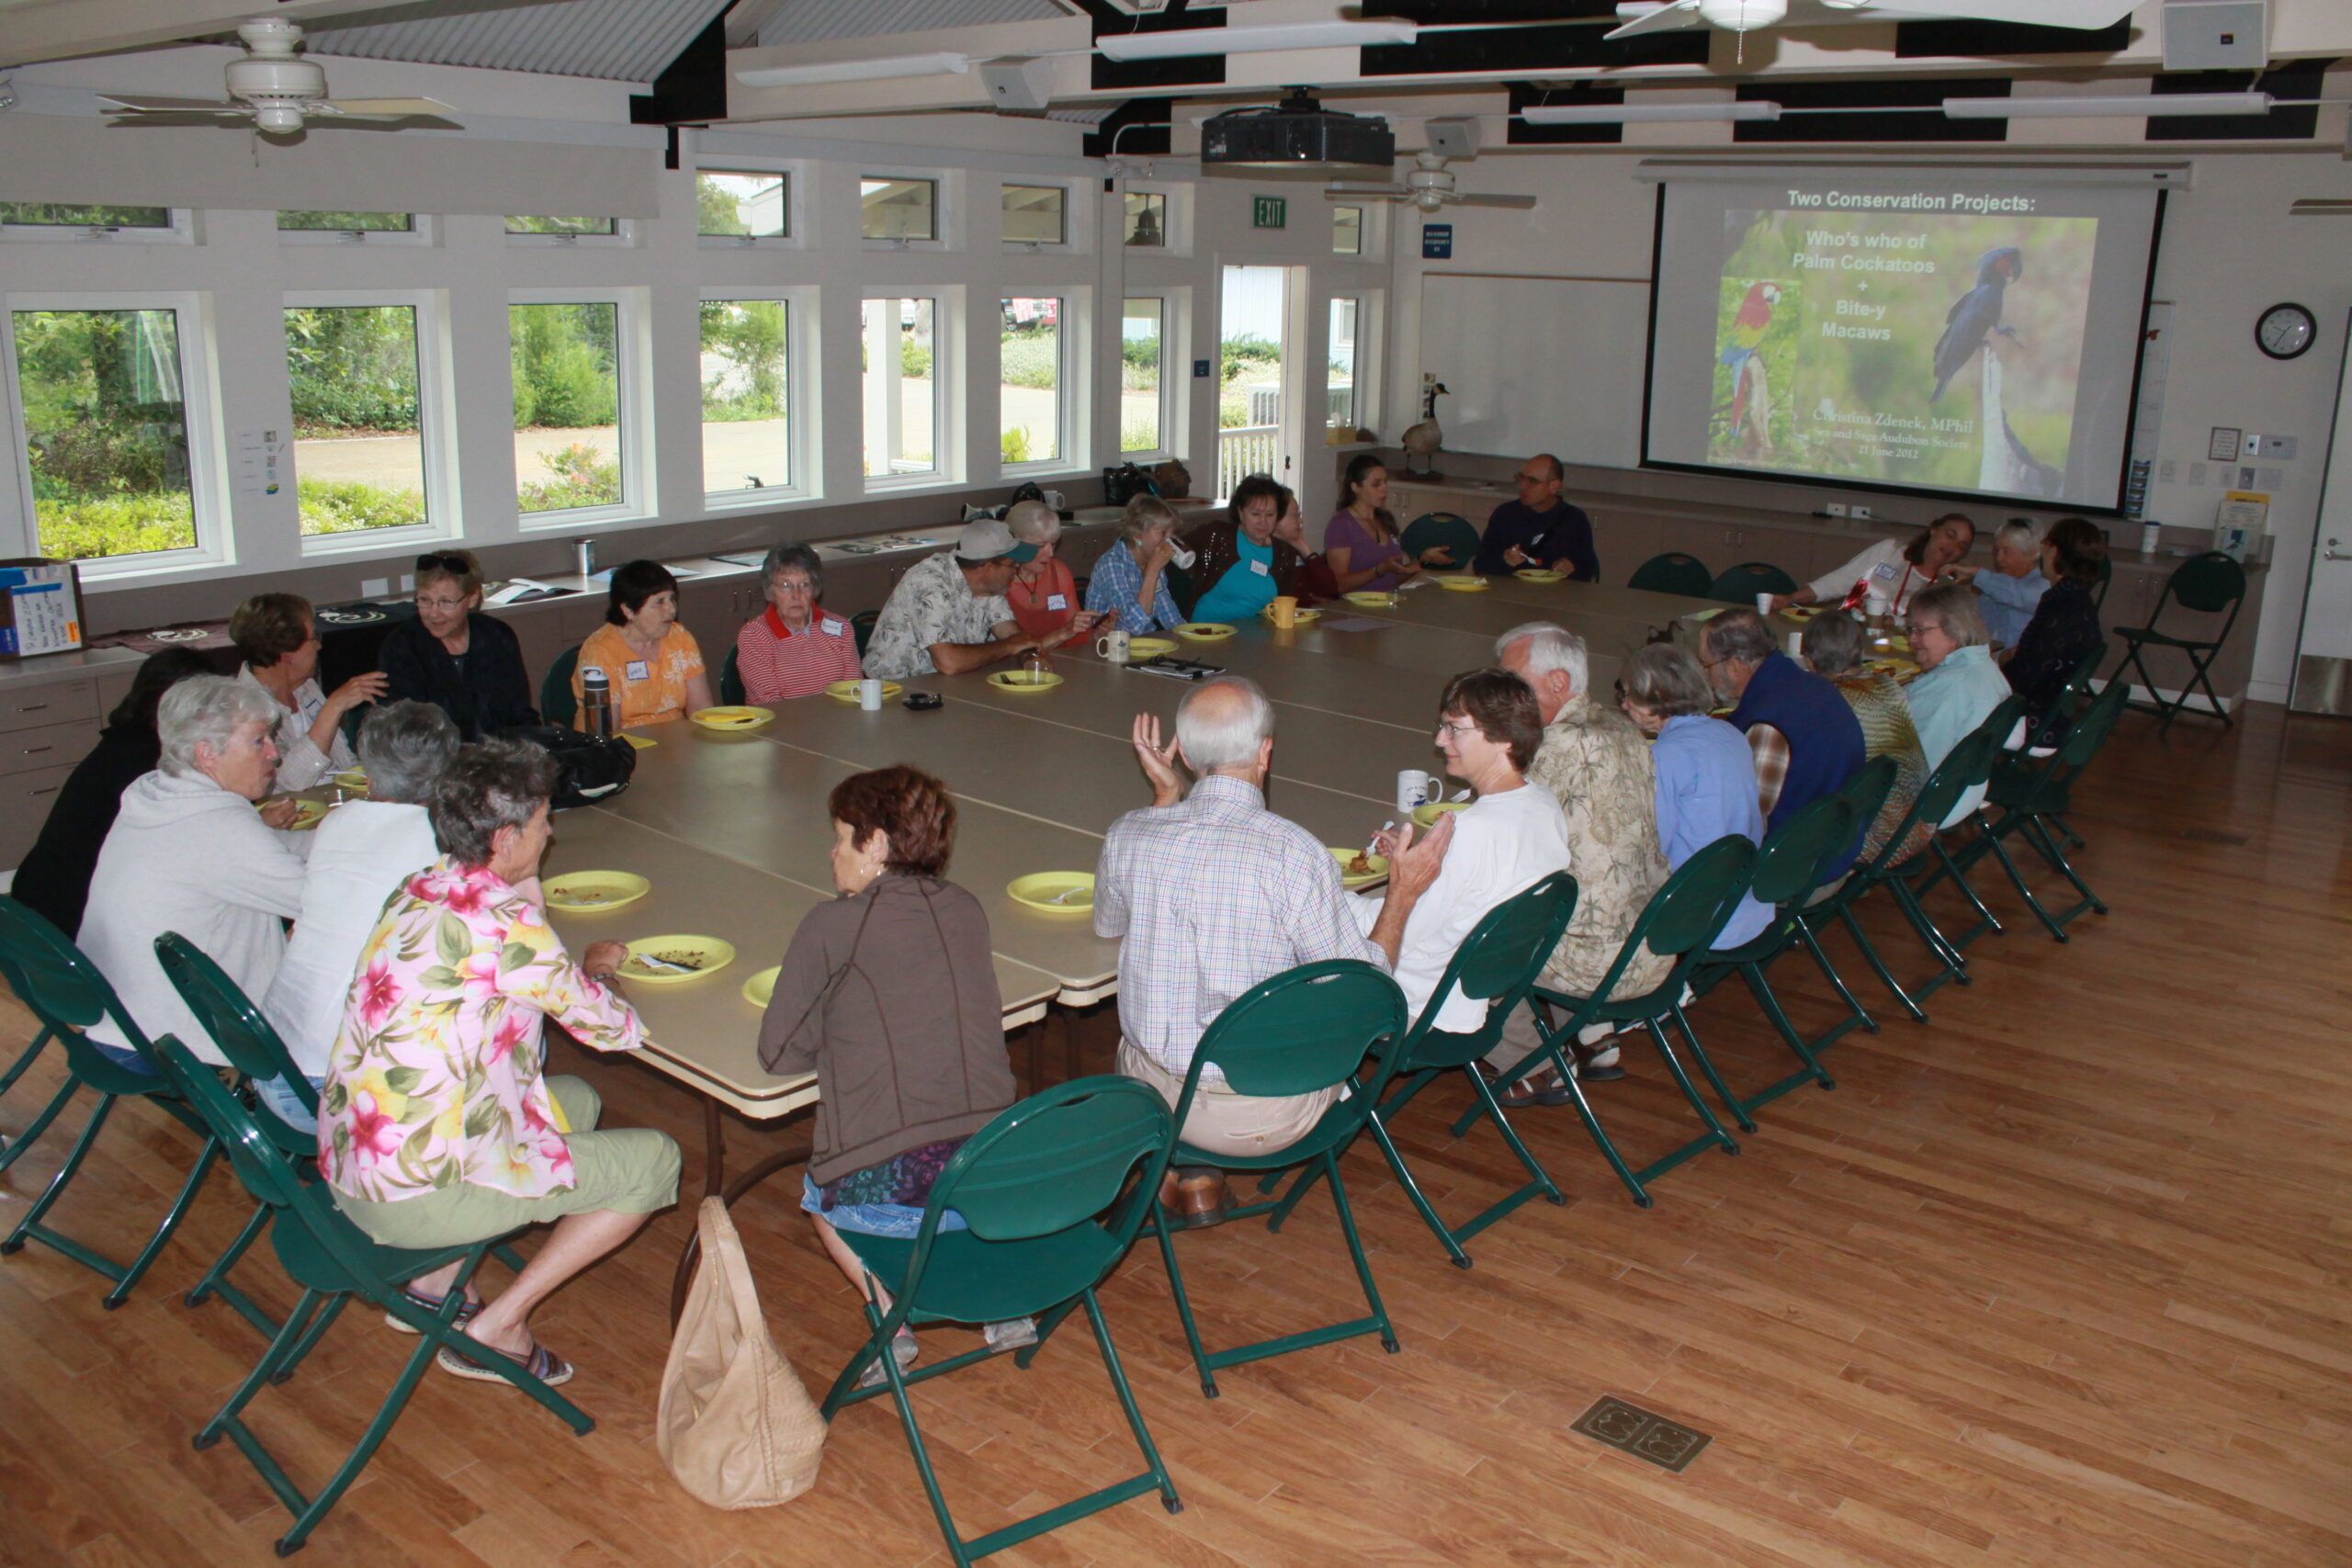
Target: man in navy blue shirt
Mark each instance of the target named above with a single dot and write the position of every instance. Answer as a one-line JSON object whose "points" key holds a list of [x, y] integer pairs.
{"points": [[1539, 528]]}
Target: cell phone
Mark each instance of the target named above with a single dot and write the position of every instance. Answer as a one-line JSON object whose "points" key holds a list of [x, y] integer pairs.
{"points": [[923, 702]]}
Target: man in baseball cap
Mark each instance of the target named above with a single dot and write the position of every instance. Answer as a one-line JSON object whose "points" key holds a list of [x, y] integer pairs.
{"points": [[949, 614]]}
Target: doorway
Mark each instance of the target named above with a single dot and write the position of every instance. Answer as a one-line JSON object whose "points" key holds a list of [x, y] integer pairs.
{"points": [[1257, 403]]}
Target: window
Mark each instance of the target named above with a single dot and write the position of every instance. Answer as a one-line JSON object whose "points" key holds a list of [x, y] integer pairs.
{"points": [[349, 222], [1147, 214], [901, 387], [568, 446], [106, 429], [1036, 215], [1339, 412], [1029, 400], [1347, 231], [899, 209], [1142, 412], [746, 429], [64, 215], [567, 228], [742, 203], [359, 460]]}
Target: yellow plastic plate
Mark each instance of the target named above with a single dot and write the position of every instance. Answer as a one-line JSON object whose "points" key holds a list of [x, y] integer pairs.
{"points": [[1370, 601], [1427, 816], [1352, 879], [1464, 584], [1901, 669], [760, 987], [701, 956], [590, 892], [307, 814], [1801, 613], [352, 779], [726, 717], [1056, 892], [1202, 631], [1025, 681], [846, 691], [1149, 646], [1299, 617], [1538, 575]]}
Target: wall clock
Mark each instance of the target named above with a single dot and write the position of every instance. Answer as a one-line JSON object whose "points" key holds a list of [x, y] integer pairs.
{"points": [[2285, 331]]}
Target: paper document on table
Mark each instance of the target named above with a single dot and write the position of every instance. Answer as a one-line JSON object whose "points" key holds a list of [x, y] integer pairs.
{"points": [[514, 589]]}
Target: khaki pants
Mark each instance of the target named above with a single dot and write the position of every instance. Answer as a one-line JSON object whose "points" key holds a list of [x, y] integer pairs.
{"points": [[1224, 1122], [1522, 1036]]}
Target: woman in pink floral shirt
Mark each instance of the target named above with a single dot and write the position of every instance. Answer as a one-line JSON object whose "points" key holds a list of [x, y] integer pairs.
{"points": [[436, 1127]]}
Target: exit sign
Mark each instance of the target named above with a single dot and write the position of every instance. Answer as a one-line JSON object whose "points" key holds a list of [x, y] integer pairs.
{"points": [[1269, 213]]}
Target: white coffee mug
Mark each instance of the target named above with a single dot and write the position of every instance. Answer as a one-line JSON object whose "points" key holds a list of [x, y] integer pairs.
{"points": [[869, 695], [1112, 645], [1416, 789], [1796, 644], [1764, 602], [1054, 499], [1183, 557]]}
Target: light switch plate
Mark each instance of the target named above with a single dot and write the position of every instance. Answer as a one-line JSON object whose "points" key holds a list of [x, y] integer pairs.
{"points": [[374, 587], [1835, 509], [1860, 514], [2251, 445], [407, 582]]}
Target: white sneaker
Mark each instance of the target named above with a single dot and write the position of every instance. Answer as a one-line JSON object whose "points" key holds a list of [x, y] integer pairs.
{"points": [[1013, 1333], [904, 1350]]}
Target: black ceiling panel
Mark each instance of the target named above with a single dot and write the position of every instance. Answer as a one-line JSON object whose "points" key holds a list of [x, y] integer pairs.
{"points": [[1518, 133], [1867, 98], [1913, 40], [1149, 138]]}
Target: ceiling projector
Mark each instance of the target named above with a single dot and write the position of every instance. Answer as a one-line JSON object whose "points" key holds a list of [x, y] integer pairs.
{"points": [[1295, 133]]}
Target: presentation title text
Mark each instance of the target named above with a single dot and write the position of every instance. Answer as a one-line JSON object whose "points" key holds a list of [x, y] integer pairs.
{"points": [[1912, 201]]}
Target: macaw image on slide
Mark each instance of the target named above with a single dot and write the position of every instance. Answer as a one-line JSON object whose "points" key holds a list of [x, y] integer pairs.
{"points": [[1756, 348], [1751, 385], [1975, 317]]}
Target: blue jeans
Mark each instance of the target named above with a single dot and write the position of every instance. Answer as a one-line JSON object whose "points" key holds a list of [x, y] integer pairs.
{"points": [[123, 1057], [279, 1097], [897, 1222]]}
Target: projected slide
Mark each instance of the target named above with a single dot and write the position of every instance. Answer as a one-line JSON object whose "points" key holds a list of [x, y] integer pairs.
{"points": [[1933, 338]]}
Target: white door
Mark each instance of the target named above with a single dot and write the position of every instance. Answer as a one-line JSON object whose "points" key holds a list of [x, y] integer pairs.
{"points": [[2323, 661], [1256, 397]]}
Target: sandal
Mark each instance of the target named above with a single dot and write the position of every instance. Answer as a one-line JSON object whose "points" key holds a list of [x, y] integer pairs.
{"points": [[904, 1350], [466, 1313], [1548, 1088], [544, 1364]]}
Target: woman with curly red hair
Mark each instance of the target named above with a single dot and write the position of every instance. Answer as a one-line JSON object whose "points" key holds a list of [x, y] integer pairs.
{"points": [[888, 994]]}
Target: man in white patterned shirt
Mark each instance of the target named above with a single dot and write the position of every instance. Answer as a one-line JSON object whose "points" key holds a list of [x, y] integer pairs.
{"points": [[1213, 893]]}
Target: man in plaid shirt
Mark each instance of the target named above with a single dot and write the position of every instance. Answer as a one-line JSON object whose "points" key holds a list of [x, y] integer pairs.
{"points": [[1213, 893]]}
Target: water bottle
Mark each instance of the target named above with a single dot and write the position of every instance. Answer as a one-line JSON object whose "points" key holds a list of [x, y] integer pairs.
{"points": [[584, 557], [596, 703]]}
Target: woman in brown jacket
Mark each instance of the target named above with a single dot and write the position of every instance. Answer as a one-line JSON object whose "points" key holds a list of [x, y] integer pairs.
{"points": [[889, 993]]}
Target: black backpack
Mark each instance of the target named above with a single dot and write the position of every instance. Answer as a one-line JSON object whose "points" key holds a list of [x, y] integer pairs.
{"points": [[588, 769]]}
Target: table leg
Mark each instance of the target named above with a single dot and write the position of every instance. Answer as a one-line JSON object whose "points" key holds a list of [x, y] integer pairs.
{"points": [[1069, 1044], [715, 1184]]}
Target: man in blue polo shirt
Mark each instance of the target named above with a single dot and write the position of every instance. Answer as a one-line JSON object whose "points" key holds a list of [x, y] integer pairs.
{"points": [[1539, 528]]}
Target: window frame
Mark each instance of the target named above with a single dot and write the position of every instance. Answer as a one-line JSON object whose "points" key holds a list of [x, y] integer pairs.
{"points": [[1174, 372], [1167, 220], [624, 236], [792, 174], [421, 231], [632, 408], [1070, 315], [1026, 247], [179, 230], [1364, 225], [215, 517], [942, 212], [948, 402], [803, 441], [435, 420]]}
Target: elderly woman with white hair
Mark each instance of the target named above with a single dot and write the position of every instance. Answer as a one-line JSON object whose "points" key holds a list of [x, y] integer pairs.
{"points": [[1706, 776], [188, 853], [1130, 581], [1958, 684], [2013, 588], [1043, 593], [359, 857], [793, 648]]}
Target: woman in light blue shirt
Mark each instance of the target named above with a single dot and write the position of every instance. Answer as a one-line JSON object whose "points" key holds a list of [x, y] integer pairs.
{"points": [[1958, 684], [1706, 775], [1130, 579]]}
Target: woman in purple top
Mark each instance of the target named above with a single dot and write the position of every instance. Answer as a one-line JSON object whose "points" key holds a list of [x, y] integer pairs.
{"points": [[1360, 542]]}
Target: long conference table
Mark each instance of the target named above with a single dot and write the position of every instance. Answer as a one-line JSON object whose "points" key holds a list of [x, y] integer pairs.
{"points": [[731, 831]]}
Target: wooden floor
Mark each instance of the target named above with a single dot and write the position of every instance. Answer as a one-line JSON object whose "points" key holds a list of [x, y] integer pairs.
{"points": [[2060, 1278]]}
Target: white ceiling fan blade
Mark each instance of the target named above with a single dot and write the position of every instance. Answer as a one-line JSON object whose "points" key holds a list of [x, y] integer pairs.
{"points": [[388, 108], [142, 104], [1471, 198], [1673, 14], [2084, 13], [1364, 188]]}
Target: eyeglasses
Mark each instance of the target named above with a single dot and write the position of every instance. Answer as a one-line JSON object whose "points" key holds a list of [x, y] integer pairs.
{"points": [[1467, 726], [458, 564], [425, 603]]}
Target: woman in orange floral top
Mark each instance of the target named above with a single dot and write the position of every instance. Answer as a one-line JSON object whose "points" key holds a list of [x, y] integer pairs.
{"points": [[437, 1126], [654, 664]]}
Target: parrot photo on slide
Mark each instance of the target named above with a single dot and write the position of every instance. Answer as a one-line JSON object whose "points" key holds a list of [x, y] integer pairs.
{"points": [[1751, 392], [1977, 316]]}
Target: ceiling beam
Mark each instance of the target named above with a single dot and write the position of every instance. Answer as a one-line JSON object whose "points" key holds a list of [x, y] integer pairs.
{"points": [[33, 30]]}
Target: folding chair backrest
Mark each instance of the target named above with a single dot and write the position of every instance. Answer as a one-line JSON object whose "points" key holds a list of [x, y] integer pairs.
{"points": [[1964, 767], [1672, 571], [1449, 528], [68, 994], [2210, 582], [2106, 576], [556, 704], [731, 681], [1789, 862], [2091, 730], [249, 1041], [1865, 792], [1685, 915], [1057, 1158], [1505, 950], [861, 627], [1304, 1029], [2002, 725], [1743, 583]]}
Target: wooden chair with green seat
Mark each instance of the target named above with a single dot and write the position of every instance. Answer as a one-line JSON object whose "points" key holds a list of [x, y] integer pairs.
{"points": [[1743, 583], [1496, 964], [68, 995], [2034, 793], [1450, 529], [1046, 1193], [1680, 919], [2210, 583], [1306, 1029], [556, 704], [332, 1262], [730, 682], [1673, 572]]}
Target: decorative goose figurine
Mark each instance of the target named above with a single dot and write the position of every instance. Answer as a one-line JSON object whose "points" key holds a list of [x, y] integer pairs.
{"points": [[1421, 441]]}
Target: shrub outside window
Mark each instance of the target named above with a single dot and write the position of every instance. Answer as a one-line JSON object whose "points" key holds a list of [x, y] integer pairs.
{"points": [[106, 432], [1030, 398], [901, 387], [359, 457], [568, 446], [1142, 412], [746, 413]]}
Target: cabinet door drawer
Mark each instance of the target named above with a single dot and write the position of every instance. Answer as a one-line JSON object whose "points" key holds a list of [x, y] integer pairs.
{"points": [[51, 745], [25, 800], [60, 703]]}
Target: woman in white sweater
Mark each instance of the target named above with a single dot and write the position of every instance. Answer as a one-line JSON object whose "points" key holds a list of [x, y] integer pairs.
{"points": [[277, 637], [188, 853]]}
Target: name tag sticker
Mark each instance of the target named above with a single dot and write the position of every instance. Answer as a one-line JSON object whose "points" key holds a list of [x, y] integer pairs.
{"points": [[1262, 568], [1884, 569], [636, 671], [1057, 601], [833, 628]]}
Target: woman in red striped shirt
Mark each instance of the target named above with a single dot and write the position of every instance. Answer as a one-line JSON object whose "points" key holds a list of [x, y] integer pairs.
{"points": [[793, 648]]}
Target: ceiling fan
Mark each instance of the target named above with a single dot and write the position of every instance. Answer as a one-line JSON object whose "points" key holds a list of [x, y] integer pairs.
{"points": [[278, 92], [1745, 16], [1430, 185]]}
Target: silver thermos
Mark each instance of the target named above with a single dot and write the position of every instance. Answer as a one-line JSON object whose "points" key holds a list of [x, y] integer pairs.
{"points": [[596, 703], [585, 551]]}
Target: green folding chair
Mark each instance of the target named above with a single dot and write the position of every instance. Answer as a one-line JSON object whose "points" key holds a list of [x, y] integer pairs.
{"points": [[1496, 964], [1304, 1030], [730, 682], [333, 1262], [1680, 919], [1789, 868], [1994, 733], [1673, 572], [68, 995], [2035, 793], [1743, 583], [1453, 530], [2210, 583], [556, 704], [1046, 1191], [861, 627], [11, 1147]]}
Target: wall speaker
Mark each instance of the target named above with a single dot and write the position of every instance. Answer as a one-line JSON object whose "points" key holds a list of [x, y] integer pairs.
{"points": [[2217, 35]]}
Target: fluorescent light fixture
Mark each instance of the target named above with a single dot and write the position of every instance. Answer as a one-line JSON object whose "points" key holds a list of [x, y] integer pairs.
{"points": [[2148, 106], [1259, 40], [1640, 114], [822, 72]]}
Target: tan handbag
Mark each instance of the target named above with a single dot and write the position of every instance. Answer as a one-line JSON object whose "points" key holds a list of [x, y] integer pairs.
{"points": [[736, 1426]]}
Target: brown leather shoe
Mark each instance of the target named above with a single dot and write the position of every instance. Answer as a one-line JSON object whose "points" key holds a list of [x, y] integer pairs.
{"points": [[1193, 1201]]}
